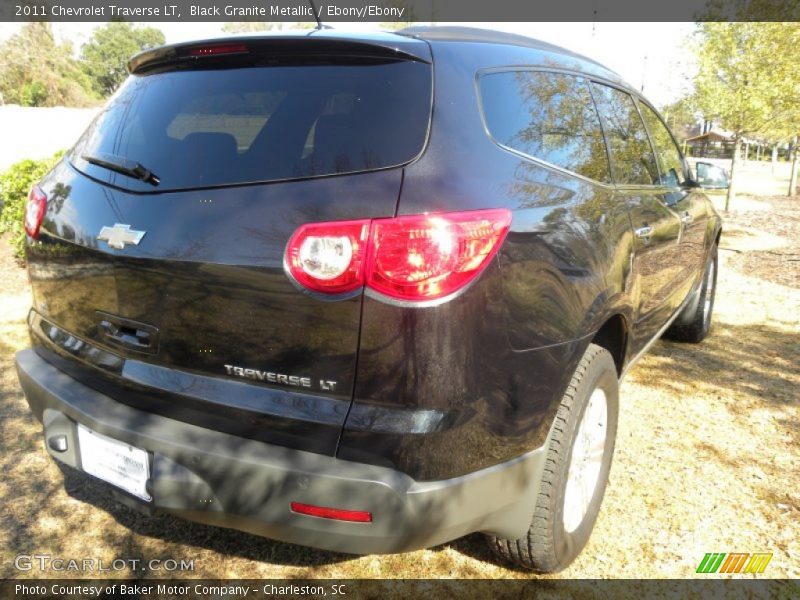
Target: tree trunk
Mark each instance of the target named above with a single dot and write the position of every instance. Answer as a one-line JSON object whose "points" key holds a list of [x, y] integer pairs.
{"points": [[793, 176], [774, 157], [731, 195]]}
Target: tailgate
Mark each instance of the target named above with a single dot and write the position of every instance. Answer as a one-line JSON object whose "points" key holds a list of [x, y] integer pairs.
{"points": [[184, 279]]}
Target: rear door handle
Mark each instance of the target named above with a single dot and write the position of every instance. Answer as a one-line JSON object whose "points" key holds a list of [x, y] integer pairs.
{"points": [[644, 232], [127, 333]]}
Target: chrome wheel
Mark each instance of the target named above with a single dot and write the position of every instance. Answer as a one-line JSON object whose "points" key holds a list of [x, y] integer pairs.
{"points": [[587, 459], [708, 299]]}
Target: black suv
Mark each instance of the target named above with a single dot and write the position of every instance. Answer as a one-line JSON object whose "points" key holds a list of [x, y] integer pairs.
{"points": [[367, 293]]}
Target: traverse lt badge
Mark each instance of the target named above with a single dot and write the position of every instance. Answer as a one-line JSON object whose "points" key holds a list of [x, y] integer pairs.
{"points": [[119, 235]]}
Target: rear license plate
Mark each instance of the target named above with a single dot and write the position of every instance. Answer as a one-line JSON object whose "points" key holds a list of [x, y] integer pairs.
{"points": [[118, 463]]}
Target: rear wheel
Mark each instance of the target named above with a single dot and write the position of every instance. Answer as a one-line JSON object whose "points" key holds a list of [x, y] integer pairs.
{"points": [[576, 472], [693, 326]]}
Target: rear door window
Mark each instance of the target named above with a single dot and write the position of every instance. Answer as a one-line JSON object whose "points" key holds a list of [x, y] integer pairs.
{"points": [[547, 116], [203, 128], [667, 153], [632, 158]]}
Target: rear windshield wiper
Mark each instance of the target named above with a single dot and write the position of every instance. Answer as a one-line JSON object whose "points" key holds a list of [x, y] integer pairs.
{"points": [[128, 167]]}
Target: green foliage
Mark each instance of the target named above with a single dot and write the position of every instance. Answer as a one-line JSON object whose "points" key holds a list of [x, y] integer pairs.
{"points": [[751, 10], [748, 80], [747, 76], [106, 55], [35, 71], [15, 183], [680, 117]]}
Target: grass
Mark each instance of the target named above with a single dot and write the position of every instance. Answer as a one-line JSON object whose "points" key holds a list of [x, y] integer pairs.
{"points": [[706, 456]]}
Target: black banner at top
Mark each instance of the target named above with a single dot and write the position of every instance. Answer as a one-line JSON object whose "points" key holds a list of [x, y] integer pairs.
{"points": [[333, 11]]}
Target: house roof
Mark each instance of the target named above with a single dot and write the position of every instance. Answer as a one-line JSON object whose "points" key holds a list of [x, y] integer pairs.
{"points": [[711, 136]]}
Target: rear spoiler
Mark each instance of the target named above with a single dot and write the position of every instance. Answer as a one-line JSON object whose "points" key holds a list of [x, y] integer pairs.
{"points": [[323, 46]]}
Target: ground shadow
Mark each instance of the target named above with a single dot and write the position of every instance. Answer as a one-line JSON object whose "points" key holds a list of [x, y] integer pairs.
{"points": [[755, 361], [173, 530]]}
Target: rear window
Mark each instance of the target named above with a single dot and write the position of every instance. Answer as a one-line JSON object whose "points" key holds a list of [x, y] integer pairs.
{"points": [[204, 128]]}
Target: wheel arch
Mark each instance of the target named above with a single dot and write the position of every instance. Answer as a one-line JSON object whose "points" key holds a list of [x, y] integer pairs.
{"points": [[614, 335]]}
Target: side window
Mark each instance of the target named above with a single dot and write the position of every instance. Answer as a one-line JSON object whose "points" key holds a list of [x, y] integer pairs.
{"points": [[549, 116], [631, 154], [669, 158]]}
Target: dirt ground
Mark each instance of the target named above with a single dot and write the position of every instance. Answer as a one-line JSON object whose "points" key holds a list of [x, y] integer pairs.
{"points": [[706, 460]]}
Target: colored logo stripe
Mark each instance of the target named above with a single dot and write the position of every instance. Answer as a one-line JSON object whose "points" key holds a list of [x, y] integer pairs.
{"points": [[734, 563], [710, 563], [758, 563]]}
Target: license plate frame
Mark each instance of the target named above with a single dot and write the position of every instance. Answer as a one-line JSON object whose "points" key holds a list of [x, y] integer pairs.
{"points": [[122, 465]]}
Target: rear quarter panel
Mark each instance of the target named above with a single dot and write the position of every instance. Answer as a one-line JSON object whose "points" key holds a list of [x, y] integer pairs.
{"points": [[444, 390]]}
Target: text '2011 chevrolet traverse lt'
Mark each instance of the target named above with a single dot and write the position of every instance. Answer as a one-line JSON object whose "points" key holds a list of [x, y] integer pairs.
{"points": [[364, 293]]}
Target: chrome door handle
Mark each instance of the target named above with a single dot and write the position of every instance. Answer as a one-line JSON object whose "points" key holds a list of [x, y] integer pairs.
{"points": [[644, 232], [687, 218]]}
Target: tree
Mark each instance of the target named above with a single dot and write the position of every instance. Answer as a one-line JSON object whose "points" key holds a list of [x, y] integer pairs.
{"points": [[788, 129], [795, 166], [681, 118], [35, 71], [106, 55], [747, 79]]}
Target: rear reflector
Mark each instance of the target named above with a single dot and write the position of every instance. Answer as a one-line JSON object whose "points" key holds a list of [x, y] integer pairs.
{"points": [[218, 49], [339, 514], [416, 259], [34, 211]]}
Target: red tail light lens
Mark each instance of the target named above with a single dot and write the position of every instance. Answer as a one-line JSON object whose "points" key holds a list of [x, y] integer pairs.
{"points": [[218, 49], [34, 211], [416, 258], [428, 257], [329, 257], [339, 514]]}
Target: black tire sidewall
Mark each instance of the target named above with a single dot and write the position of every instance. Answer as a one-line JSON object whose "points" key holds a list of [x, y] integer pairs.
{"points": [[602, 373], [706, 324]]}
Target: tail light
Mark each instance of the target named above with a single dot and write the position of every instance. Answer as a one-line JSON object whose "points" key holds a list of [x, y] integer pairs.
{"points": [[329, 257], [427, 257], [416, 258], [34, 211]]}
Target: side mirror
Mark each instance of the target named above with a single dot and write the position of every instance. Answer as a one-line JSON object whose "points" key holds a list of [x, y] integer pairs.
{"points": [[712, 177]]}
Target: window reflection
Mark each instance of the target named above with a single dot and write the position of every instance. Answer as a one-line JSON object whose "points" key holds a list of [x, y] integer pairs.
{"points": [[631, 154], [669, 158], [549, 116]]}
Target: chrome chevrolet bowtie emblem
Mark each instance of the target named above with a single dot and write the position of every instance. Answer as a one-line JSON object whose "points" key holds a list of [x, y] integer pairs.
{"points": [[119, 235]]}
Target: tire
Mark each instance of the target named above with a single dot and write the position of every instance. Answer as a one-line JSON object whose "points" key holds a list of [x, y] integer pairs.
{"points": [[558, 531], [694, 323]]}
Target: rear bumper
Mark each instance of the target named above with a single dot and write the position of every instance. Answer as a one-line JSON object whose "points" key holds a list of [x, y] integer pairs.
{"points": [[221, 479]]}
